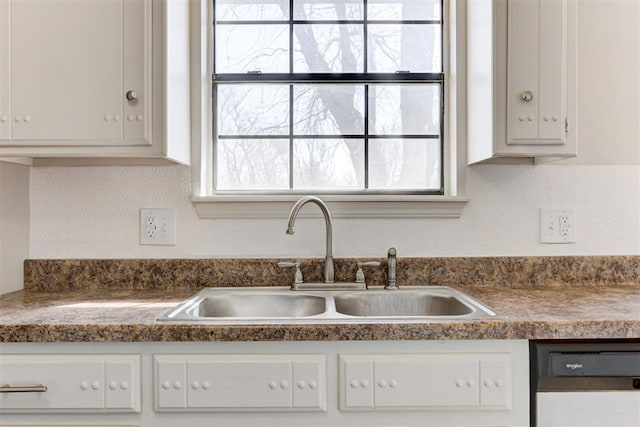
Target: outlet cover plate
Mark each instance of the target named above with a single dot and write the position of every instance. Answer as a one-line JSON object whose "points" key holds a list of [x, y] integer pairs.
{"points": [[557, 225], [158, 227]]}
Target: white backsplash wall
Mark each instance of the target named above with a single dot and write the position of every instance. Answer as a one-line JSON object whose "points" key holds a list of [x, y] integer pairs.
{"points": [[94, 213]]}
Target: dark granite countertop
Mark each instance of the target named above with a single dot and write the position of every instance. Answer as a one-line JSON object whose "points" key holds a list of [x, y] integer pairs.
{"points": [[550, 311]]}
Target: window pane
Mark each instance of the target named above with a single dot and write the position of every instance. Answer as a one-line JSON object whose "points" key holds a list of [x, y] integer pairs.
{"points": [[414, 48], [403, 164], [242, 48], [404, 109], [326, 109], [328, 164], [252, 164], [390, 10], [325, 48], [250, 10], [253, 109], [323, 10]]}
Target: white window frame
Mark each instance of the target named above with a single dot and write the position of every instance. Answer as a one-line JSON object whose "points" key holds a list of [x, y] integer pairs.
{"points": [[448, 205]]}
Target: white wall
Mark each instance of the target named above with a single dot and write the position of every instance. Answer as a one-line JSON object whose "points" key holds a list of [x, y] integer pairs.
{"points": [[14, 224], [93, 212]]}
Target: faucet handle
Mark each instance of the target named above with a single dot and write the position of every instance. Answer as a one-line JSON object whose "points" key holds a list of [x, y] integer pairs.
{"points": [[360, 274], [297, 277]]}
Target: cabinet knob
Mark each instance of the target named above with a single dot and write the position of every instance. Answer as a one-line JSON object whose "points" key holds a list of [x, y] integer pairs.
{"points": [[131, 95], [527, 96]]}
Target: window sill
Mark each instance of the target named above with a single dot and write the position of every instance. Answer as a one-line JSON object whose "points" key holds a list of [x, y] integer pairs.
{"points": [[220, 207]]}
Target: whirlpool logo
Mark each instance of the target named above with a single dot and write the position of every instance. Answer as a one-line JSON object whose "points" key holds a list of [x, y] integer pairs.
{"points": [[573, 366]]}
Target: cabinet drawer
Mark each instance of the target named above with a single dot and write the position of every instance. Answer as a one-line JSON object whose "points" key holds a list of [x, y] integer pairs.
{"points": [[70, 383], [240, 382]]}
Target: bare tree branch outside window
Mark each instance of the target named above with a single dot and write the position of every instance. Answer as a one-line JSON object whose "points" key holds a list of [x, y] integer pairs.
{"points": [[328, 96]]}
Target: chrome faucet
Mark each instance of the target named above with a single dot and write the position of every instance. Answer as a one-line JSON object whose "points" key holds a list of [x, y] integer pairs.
{"points": [[391, 269], [328, 259]]}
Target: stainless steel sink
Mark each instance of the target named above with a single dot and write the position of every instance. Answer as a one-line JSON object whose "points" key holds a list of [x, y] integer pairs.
{"points": [[386, 303], [240, 303], [281, 305]]}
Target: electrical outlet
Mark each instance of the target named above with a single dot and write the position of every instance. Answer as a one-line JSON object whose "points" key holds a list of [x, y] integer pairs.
{"points": [[557, 225], [157, 227]]}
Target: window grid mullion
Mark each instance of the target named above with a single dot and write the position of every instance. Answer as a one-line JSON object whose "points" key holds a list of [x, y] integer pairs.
{"points": [[365, 41], [291, 137], [334, 21], [366, 135], [334, 136], [337, 78], [291, 35]]}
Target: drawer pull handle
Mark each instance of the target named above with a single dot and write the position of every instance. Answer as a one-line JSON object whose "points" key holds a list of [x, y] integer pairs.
{"points": [[7, 388]]}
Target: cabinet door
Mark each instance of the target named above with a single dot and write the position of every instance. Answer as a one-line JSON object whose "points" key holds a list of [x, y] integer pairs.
{"points": [[537, 72], [67, 70], [73, 382], [421, 381], [240, 382], [426, 381], [5, 70], [228, 384]]}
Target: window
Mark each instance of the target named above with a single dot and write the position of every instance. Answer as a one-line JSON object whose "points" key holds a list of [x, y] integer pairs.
{"points": [[328, 97]]}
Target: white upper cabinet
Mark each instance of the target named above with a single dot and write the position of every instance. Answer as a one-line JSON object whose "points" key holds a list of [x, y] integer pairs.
{"points": [[61, 89], [5, 70], [522, 79], [83, 79]]}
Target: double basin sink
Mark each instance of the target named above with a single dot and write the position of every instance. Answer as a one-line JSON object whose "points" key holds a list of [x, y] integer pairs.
{"points": [[281, 305]]}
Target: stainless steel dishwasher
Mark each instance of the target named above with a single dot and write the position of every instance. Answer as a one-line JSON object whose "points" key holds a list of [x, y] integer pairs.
{"points": [[585, 384]]}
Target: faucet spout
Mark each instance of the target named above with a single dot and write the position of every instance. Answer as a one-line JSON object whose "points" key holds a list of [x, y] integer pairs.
{"points": [[328, 259], [391, 269]]}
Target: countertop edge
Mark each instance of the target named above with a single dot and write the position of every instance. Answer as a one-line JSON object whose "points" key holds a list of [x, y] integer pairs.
{"points": [[477, 330]]}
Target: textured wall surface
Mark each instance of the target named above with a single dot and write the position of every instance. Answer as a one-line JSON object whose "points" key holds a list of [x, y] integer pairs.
{"points": [[93, 213]]}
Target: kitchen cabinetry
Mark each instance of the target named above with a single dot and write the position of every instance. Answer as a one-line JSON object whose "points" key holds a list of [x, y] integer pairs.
{"points": [[284, 384], [69, 383], [240, 382], [521, 67], [453, 381], [88, 79]]}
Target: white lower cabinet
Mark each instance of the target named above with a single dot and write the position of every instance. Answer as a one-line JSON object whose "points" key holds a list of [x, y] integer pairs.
{"points": [[423, 381], [461, 383], [240, 382], [69, 383]]}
